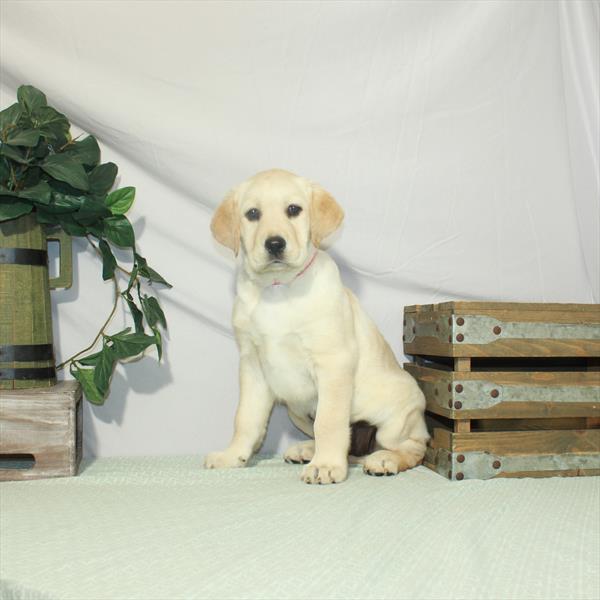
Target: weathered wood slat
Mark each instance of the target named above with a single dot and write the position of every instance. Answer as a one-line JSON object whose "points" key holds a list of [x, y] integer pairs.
{"points": [[465, 306], [515, 394], [46, 423], [502, 329]]}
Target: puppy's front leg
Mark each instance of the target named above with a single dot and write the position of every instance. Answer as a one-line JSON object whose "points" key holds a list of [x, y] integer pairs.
{"points": [[252, 416], [332, 421]]}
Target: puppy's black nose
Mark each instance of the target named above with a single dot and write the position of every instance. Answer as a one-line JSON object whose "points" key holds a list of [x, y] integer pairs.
{"points": [[275, 245]]}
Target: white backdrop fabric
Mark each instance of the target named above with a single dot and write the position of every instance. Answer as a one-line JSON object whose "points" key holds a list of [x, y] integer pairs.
{"points": [[460, 137]]}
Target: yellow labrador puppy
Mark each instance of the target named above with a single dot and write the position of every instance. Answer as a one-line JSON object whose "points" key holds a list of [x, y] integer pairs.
{"points": [[305, 341]]}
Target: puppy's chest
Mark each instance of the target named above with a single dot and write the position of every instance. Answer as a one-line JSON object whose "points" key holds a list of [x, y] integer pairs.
{"points": [[285, 360]]}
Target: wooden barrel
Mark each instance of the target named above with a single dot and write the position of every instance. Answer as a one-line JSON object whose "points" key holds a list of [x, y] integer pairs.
{"points": [[26, 351]]}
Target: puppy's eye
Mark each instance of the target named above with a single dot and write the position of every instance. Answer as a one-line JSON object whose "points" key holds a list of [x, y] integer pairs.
{"points": [[253, 214], [293, 210]]}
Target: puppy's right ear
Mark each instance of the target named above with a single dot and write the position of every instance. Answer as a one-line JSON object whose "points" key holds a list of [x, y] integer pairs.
{"points": [[225, 224]]}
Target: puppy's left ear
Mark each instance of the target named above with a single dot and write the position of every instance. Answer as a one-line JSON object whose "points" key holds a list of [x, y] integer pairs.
{"points": [[326, 215], [225, 224]]}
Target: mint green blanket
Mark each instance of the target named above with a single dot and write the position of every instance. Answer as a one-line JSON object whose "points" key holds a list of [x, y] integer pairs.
{"points": [[163, 528]]}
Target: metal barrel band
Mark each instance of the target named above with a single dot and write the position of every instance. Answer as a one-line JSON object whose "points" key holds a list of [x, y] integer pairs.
{"points": [[26, 352], [23, 256], [27, 373]]}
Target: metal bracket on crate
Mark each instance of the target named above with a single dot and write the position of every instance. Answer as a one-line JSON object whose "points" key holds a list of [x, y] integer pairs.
{"points": [[478, 329], [477, 394], [485, 465]]}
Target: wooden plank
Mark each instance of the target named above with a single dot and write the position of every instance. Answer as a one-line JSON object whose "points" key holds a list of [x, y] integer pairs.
{"points": [[440, 380], [531, 424], [461, 306], [45, 423], [462, 364], [462, 426], [504, 348], [540, 474], [506, 443]]}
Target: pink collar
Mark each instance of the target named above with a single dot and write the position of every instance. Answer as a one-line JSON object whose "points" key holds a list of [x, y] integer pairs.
{"points": [[306, 267]]}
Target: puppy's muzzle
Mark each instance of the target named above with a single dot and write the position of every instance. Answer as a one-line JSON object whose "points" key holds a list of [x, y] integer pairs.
{"points": [[275, 246]]}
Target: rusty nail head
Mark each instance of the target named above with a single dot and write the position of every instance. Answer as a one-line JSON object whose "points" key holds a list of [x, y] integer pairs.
{"points": [[460, 458], [450, 321], [459, 388], [460, 321], [449, 403], [449, 387], [460, 337], [496, 464], [494, 393], [449, 338], [458, 404], [497, 330], [460, 476]]}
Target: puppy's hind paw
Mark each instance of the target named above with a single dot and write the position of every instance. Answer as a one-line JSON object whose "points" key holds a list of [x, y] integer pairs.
{"points": [[225, 460], [300, 453]]}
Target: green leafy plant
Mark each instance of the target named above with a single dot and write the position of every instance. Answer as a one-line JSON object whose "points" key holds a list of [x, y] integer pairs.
{"points": [[45, 171]]}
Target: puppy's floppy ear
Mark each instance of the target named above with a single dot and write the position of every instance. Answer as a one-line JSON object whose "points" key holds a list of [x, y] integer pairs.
{"points": [[326, 215], [225, 224]]}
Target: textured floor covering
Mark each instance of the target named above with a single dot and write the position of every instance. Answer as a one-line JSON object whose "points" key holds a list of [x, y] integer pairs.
{"points": [[157, 528]]}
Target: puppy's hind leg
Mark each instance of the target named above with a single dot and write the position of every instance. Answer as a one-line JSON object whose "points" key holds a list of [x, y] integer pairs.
{"points": [[301, 452], [402, 442]]}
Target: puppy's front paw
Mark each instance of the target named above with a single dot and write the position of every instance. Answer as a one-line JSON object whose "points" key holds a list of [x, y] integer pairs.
{"points": [[318, 471], [225, 460]]}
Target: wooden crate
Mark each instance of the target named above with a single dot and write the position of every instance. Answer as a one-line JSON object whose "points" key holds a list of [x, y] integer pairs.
{"points": [[41, 432], [512, 389]]}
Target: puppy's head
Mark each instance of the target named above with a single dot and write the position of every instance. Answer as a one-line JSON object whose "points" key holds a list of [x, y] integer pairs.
{"points": [[275, 218]]}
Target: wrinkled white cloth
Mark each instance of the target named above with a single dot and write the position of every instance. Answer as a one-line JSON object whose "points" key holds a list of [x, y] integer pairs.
{"points": [[460, 137]]}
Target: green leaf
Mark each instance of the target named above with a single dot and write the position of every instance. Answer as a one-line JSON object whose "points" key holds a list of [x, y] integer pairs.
{"points": [[64, 168], [136, 313], [152, 275], [46, 218], [153, 312], [39, 193], [41, 150], [109, 262], [104, 369], [148, 272], [86, 152], [91, 360], [9, 116], [24, 137], [86, 379], [64, 203], [91, 210], [4, 171], [70, 226], [132, 278], [14, 154], [14, 209], [158, 342], [130, 344], [119, 231], [52, 125], [30, 98], [102, 178], [120, 201]]}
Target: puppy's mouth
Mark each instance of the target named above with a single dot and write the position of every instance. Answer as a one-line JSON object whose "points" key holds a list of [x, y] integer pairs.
{"points": [[276, 264]]}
